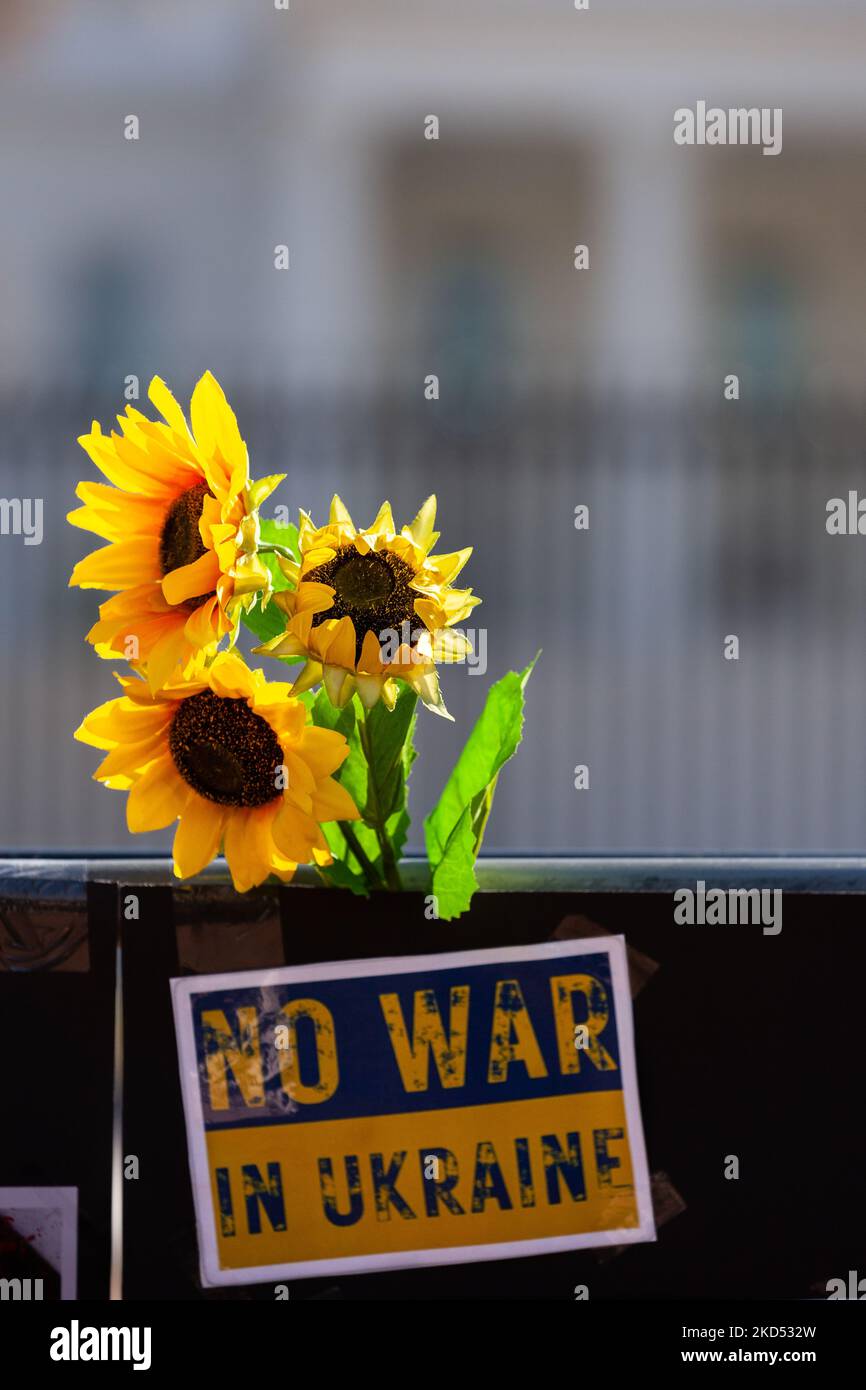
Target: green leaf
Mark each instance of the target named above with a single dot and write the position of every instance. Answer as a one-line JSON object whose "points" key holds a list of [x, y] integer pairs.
{"points": [[398, 822], [387, 736], [455, 829], [276, 533], [267, 623], [453, 879], [378, 787], [353, 776], [340, 874], [353, 772]]}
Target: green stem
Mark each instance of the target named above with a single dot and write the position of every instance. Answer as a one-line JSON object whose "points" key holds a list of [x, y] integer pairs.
{"points": [[376, 820], [271, 548], [370, 871], [389, 862]]}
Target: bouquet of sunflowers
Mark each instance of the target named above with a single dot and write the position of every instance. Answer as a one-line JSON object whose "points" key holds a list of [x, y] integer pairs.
{"points": [[276, 773]]}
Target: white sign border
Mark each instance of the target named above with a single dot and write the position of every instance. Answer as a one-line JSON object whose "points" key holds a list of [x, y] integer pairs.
{"points": [[64, 1200], [213, 1276]]}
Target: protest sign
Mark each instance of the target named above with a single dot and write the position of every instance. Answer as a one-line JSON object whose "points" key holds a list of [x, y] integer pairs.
{"points": [[387, 1113]]}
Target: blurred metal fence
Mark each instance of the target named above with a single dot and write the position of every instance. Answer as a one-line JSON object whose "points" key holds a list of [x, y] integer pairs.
{"points": [[705, 521]]}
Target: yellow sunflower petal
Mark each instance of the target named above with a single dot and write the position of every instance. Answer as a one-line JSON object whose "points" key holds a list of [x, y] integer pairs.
{"points": [[290, 568], [149, 451], [161, 397], [158, 797], [421, 530], [294, 833], [384, 523], [370, 660], [426, 683], [300, 776], [340, 649], [390, 691], [198, 835], [191, 581], [323, 750], [124, 720], [259, 491], [230, 676], [169, 652], [450, 644], [134, 722], [310, 675], [218, 437], [430, 613], [369, 689], [339, 684], [115, 515], [126, 473], [97, 727], [339, 513], [248, 847], [312, 597], [129, 758], [331, 801], [118, 566], [444, 569], [286, 645], [283, 869], [199, 629], [317, 555]]}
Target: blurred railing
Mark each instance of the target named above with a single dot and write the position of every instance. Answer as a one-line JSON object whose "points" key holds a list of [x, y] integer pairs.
{"points": [[706, 520]]}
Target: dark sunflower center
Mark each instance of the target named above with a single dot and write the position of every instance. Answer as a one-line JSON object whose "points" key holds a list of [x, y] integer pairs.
{"points": [[224, 751], [180, 542], [373, 590]]}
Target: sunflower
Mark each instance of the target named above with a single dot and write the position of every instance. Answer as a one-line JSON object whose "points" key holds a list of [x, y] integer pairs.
{"points": [[372, 607], [182, 522], [231, 757]]}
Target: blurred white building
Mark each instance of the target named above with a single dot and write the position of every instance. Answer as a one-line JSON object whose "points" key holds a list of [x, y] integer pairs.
{"points": [[261, 127]]}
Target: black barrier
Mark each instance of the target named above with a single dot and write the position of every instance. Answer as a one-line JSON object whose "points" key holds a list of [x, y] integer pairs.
{"points": [[57, 984], [748, 1039], [747, 1043]]}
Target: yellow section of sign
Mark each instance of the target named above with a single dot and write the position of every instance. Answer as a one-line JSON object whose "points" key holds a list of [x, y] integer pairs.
{"points": [[428, 1180]]}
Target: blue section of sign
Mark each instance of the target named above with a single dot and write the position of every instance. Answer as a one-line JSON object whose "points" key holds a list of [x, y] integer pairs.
{"points": [[370, 1081]]}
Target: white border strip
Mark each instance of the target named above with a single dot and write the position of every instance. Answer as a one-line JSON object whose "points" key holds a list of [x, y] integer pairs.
{"points": [[182, 991]]}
